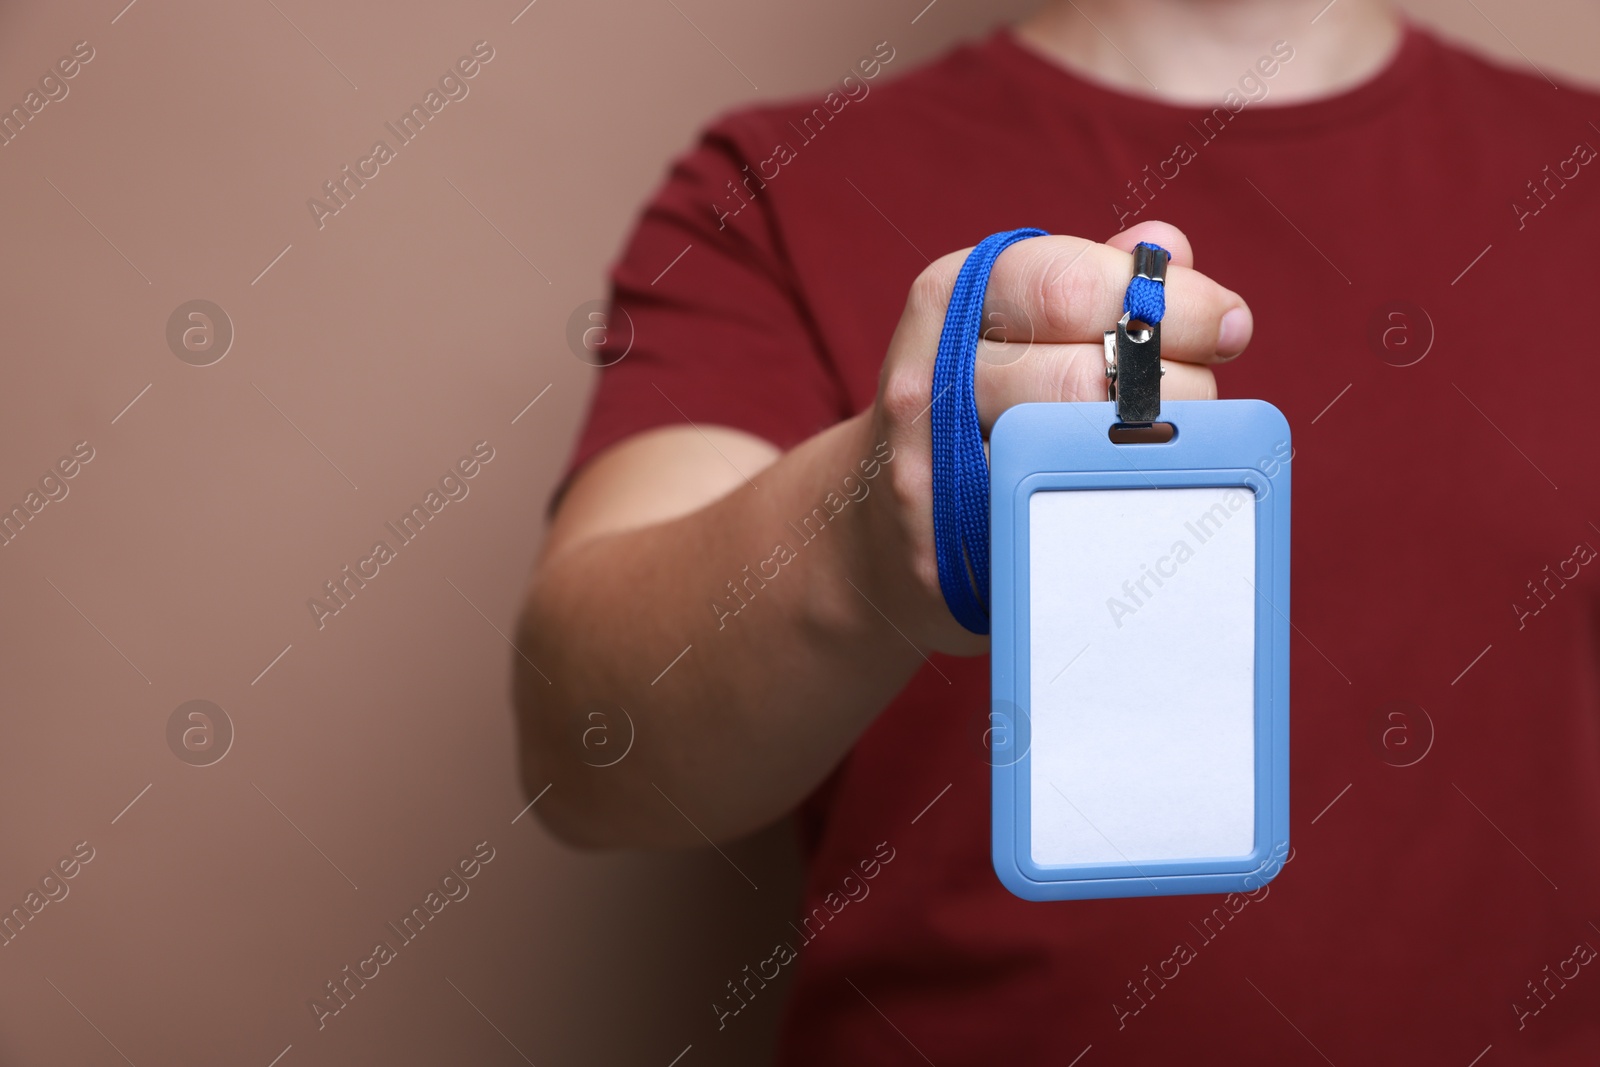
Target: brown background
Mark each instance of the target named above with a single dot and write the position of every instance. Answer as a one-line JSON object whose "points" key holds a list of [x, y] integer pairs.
{"points": [[369, 357]]}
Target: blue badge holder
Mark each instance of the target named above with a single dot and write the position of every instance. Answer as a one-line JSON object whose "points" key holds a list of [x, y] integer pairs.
{"points": [[1154, 759]]}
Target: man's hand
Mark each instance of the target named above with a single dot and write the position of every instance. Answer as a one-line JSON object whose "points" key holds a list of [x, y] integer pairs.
{"points": [[1049, 302]]}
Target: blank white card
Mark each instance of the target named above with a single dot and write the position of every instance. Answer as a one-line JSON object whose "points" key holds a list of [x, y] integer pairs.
{"points": [[1142, 674]]}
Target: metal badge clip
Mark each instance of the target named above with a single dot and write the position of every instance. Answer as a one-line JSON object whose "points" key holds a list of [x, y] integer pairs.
{"points": [[1133, 356]]}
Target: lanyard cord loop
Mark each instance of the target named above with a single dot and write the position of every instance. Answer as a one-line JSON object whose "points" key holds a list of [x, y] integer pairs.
{"points": [[960, 469], [1146, 298]]}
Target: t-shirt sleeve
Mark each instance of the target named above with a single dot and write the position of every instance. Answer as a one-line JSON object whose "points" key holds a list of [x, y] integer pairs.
{"points": [[705, 305]]}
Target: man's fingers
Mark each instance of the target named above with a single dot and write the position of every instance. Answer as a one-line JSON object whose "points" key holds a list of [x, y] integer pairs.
{"points": [[1048, 304], [1164, 234], [1060, 290], [1012, 374]]}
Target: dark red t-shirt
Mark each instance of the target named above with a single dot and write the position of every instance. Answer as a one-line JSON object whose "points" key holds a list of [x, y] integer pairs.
{"points": [[1443, 894]]}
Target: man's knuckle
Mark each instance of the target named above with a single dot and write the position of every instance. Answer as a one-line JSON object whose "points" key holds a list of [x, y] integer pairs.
{"points": [[930, 290], [909, 487], [1081, 377], [1071, 294], [924, 565], [904, 395]]}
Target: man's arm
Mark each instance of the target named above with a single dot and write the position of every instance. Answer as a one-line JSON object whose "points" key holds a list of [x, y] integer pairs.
{"points": [[736, 716], [645, 542]]}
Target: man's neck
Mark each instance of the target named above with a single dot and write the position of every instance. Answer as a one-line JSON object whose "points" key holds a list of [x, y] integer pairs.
{"points": [[1194, 51]]}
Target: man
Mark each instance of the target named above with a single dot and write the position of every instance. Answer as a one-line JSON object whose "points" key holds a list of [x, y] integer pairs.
{"points": [[743, 556]]}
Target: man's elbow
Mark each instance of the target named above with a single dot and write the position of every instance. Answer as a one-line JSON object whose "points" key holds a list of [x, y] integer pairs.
{"points": [[566, 821], [578, 761], [577, 802], [590, 821], [556, 793]]}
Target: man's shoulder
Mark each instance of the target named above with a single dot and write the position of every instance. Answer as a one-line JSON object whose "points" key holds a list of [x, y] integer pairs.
{"points": [[878, 94], [1537, 97]]}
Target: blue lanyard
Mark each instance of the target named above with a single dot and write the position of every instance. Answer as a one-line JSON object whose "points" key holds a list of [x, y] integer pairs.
{"points": [[960, 469]]}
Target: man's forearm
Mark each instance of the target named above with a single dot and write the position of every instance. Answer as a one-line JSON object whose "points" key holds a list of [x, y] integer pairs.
{"points": [[741, 642]]}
